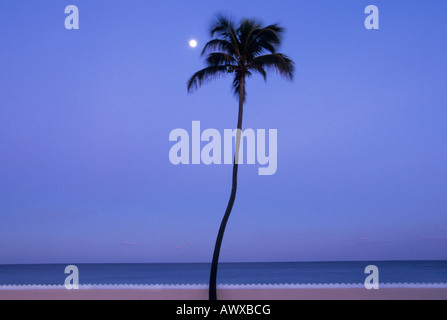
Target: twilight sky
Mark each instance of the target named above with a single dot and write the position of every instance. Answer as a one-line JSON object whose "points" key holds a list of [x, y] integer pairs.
{"points": [[86, 115]]}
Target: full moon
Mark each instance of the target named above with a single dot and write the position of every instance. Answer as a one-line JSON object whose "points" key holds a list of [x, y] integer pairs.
{"points": [[193, 43]]}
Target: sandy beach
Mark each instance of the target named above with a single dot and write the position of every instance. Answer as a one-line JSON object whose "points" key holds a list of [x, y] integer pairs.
{"points": [[228, 294]]}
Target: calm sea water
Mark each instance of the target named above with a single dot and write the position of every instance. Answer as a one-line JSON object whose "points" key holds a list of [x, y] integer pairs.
{"points": [[229, 273]]}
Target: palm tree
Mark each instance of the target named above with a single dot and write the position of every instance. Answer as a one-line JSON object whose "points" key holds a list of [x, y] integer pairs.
{"points": [[240, 50]]}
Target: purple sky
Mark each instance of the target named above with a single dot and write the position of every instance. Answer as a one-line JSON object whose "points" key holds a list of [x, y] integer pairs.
{"points": [[86, 114]]}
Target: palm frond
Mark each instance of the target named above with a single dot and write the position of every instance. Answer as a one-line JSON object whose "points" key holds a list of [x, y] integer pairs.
{"points": [[219, 45], [225, 29], [220, 58], [245, 32], [275, 61], [265, 39], [271, 33], [205, 75], [260, 69]]}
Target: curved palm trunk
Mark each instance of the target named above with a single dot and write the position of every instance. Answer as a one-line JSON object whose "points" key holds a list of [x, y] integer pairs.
{"points": [[215, 262]]}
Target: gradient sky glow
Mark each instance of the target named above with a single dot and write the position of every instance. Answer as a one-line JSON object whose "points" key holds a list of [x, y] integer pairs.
{"points": [[86, 114]]}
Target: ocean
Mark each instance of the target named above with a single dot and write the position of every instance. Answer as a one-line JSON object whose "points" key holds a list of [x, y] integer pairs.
{"points": [[307, 274]]}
